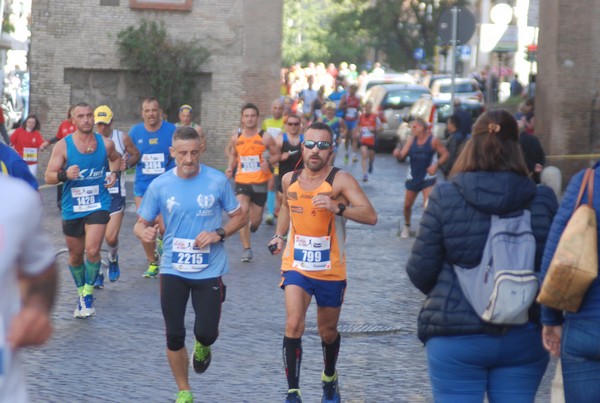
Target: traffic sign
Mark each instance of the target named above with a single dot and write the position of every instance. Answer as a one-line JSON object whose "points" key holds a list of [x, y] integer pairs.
{"points": [[465, 25], [419, 54]]}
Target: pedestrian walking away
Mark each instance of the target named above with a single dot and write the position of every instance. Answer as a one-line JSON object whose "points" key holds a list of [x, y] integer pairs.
{"points": [[575, 336], [81, 161], [103, 117], [28, 286], [191, 199], [252, 172], [426, 154], [471, 355], [152, 138], [318, 201]]}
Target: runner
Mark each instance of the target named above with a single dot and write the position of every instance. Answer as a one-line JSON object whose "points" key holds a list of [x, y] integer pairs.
{"points": [[368, 126], [12, 164], [289, 154], [426, 154], [186, 114], [317, 202], [80, 161], [130, 155], [191, 198], [273, 126], [350, 104], [252, 172], [337, 125], [28, 141], [152, 137]]}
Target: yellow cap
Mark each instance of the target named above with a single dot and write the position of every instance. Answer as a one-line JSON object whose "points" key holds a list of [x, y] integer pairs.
{"points": [[103, 114]]}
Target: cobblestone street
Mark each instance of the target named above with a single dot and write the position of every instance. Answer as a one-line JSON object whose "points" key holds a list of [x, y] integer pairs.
{"points": [[119, 355]]}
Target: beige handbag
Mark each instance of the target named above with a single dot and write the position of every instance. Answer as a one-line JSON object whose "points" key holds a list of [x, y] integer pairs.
{"points": [[575, 262]]}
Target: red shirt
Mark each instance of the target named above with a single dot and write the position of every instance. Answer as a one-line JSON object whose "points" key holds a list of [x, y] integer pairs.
{"points": [[27, 144], [66, 127]]}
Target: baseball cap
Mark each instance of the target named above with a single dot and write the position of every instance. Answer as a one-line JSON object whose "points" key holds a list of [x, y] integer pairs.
{"points": [[103, 114]]}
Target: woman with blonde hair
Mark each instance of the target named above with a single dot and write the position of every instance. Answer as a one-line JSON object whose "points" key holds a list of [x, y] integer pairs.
{"points": [[467, 356]]}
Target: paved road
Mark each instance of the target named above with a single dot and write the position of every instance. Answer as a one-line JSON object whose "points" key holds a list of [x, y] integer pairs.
{"points": [[119, 355]]}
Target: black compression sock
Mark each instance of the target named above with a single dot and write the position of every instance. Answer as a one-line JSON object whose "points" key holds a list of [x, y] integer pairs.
{"points": [[292, 358]]}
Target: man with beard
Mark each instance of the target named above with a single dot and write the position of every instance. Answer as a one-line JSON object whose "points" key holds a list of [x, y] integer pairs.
{"points": [[317, 201], [81, 161]]}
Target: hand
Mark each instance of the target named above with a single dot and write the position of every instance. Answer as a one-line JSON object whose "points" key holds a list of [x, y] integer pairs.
{"points": [[123, 166], [324, 202], [205, 238], [30, 327], [73, 172], [111, 180], [44, 145], [228, 172], [285, 156], [538, 168], [265, 166], [551, 336], [150, 233], [432, 169], [276, 241]]}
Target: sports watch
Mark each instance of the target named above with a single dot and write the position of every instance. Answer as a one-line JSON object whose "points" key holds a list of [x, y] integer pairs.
{"points": [[221, 232]]}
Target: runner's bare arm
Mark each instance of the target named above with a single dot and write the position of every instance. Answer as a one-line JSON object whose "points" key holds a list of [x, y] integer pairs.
{"points": [[360, 208], [131, 149], [232, 153], [442, 156], [237, 219], [145, 230], [283, 219], [402, 153], [274, 151], [114, 161], [56, 162]]}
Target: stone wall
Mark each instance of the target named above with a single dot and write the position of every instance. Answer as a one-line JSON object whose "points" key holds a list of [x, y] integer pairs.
{"points": [[74, 58], [568, 84]]}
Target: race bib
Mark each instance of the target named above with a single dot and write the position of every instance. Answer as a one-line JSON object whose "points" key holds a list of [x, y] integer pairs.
{"points": [[188, 258], [85, 198], [274, 131], [351, 112], [30, 154], [153, 164], [312, 253], [250, 163], [366, 133]]}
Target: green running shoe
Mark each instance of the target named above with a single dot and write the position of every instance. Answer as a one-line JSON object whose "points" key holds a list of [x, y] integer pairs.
{"points": [[152, 272], [184, 396], [201, 357]]}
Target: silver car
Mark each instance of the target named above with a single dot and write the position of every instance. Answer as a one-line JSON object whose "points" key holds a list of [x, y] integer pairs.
{"points": [[393, 102]]}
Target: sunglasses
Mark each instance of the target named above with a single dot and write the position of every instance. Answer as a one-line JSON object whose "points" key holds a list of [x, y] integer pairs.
{"points": [[321, 145], [293, 124]]}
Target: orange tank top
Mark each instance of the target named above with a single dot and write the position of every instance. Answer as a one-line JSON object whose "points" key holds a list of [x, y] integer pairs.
{"points": [[316, 239], [368, 125], [250, 155]]}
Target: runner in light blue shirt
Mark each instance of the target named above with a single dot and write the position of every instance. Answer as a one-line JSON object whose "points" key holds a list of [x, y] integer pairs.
{"points": [[191, 198]]}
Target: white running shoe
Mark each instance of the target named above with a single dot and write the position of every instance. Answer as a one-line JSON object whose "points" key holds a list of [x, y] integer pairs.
{"points": [[87, 306], [405, 234]]}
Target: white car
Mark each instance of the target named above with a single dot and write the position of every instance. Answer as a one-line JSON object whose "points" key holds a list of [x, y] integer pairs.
{"points": [[464, 88], [372, 80]]}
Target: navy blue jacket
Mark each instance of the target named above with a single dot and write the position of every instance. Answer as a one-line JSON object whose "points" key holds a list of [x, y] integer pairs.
{"points": [[590, 307], [454, 230]]}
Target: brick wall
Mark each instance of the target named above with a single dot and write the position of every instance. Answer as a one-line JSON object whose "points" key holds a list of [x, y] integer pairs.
{"points": [[77, 37], [568, 83]]}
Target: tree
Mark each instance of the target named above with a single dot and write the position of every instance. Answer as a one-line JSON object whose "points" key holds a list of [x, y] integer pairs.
{"points": [[168, 67]]}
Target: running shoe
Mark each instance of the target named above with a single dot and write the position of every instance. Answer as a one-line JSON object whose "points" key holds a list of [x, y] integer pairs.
{"points": [[405, 234], [87, 306], [152, 271], [201, 357], [365, 178], [184, 396], [247, 255], [331, 391], [346, 159], [269, 220], [354, 158], [370, 167], [114, 272], [293, 396], [77, 313], [99, 283]]}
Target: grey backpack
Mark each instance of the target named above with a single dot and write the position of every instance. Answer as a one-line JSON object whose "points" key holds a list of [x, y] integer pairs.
{"points": [[504, 284]]}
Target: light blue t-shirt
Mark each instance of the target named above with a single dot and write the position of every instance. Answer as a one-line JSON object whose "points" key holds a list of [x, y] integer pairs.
{"points": [[155, 156], [188, 207]]}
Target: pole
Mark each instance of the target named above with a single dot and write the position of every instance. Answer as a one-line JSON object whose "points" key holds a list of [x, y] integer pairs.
{"points": [[453, 42]]}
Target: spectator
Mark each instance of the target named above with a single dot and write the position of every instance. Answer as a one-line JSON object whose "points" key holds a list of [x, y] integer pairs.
{"points": [[516, 89], [3, 127], [454, 144]]}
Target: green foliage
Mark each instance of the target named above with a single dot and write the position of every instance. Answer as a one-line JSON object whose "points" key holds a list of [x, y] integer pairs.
{"points": [[167, 67]]}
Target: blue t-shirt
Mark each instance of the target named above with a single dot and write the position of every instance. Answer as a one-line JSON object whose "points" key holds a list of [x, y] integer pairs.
{"points": [[86, 194], [336, 97], [188, 207], [12, 164], [155, 156]]}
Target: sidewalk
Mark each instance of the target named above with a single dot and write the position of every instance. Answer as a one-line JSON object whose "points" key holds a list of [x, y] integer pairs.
{"points": [[119, 355]]}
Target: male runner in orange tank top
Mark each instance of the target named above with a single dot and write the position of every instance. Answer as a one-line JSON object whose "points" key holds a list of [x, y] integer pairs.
{"points": [[317, 202], [252, 171]]}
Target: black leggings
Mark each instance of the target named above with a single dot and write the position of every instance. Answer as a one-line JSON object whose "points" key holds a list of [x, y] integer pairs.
{"points": [[207, 296]]}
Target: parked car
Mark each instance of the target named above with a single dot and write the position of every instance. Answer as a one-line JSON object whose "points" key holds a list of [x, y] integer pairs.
{"points": [[464, 88], [372, 80], [392, 102], [436, 112]]}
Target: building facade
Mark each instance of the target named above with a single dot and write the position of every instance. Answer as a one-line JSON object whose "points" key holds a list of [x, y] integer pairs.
{"points": [[74, 58]]}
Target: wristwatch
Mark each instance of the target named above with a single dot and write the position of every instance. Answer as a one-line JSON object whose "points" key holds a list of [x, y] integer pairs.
{"points": [[221, 232], [342, 208]]}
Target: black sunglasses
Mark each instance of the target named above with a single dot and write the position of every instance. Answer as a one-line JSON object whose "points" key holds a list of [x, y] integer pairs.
{"points": [[321, 145], [293, 124]]}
